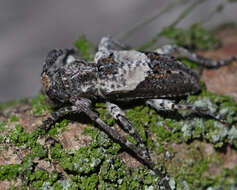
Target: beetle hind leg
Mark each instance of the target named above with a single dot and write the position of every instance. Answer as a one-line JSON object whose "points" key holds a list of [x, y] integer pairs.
{"points": [[168, 105], [200, 60]]}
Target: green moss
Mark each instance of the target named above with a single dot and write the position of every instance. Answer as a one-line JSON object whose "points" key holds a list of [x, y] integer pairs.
{"points": [[39, 174], [217, 182], [212, 130], [85, 48], [113, 170], [104, 114], [10, 171], [39, 105], [191, 171], [193, 38], [39, 151], [189, 63], [19, 137], [56, 152], [89, 183], [3, 125], [57, 128], [11, 103], [14, 118], [168, 131]]}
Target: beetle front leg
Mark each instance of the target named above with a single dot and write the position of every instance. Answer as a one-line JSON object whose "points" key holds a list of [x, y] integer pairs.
{"points": [[208, 63], [57, 115], [127, 126], [168, 105], [111, 132]]}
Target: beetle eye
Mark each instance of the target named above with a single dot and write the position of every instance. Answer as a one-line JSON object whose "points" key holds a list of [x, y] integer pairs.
{"points": [[56, 57], [51, 58]]}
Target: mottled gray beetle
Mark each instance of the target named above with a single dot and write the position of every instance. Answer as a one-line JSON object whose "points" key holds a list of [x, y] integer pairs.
{"points": [[72, 84]]}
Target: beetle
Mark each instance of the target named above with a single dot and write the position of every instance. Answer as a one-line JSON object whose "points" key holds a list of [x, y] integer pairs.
{"points": [[157, 78]]}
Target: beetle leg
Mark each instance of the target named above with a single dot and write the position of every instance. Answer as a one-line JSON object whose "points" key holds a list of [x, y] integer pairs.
{"points": [[137, 152], [83, 105], [168, 105], [208, 63], [127, 126], [111, 132], [57, 115], [107, 42], [108, 45]]}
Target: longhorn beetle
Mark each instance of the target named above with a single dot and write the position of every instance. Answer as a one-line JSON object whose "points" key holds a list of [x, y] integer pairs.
{"points": [[157, 78]]}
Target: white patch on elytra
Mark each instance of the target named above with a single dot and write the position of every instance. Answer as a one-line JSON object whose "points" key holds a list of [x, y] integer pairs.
{"points": [[129, 56], [132, 71]]}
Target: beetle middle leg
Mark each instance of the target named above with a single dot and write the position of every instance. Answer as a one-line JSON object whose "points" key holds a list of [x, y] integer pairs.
{"points": [[127, 126], [82, 105], [168, 105], [137, 152], [208, 63], [107, 42]]}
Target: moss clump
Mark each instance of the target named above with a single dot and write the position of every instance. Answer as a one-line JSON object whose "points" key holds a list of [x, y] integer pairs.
{"points": [[193, 166], [194, 38], [39, 105], [57, 128], [11, 103], [88, 183], [225, 180], [10, 171], [104, 114], [14, 118], [3, 125], [19, 137], [85, 48], [189, 63]]}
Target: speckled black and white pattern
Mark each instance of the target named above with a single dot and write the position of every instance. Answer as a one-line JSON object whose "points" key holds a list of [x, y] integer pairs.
{"points": [[123, 75], [72, 84], [128, 74]]}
